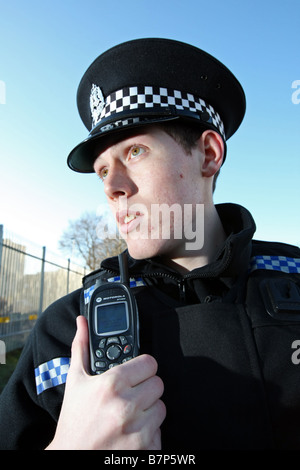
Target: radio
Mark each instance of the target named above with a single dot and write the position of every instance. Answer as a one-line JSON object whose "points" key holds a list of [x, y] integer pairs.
{"points": [[113, 323]]}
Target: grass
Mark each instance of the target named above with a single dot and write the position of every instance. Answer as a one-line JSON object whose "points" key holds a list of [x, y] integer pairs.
{"points": [[7, 369]]}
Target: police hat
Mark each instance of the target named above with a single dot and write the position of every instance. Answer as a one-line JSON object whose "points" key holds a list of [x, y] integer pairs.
{"points": [[152, 80]]}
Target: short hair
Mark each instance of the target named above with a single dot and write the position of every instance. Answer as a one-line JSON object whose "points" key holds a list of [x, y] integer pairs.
{"points": [[186, 135]]}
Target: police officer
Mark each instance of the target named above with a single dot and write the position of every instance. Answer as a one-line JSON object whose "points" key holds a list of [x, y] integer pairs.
{"points": [[219, 311]]}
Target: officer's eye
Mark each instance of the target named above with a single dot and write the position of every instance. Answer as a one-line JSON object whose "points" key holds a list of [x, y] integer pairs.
{"points": [[136, 151], [103, 173]]}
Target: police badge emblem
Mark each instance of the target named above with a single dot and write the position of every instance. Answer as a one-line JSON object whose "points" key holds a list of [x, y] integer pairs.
{"points": [[96, 103]]}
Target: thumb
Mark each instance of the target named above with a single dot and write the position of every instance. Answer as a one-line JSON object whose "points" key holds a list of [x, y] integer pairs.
{"points": [[80, 356]]}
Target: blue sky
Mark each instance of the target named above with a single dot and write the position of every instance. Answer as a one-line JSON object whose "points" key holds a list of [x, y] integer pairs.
{"points": [[45, 47]]}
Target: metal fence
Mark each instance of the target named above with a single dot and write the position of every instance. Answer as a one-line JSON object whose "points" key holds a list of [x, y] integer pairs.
{"points": [[31, 278]]}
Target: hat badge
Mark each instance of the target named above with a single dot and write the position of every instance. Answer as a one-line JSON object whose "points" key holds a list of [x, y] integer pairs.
{"points": [[97, 103]]}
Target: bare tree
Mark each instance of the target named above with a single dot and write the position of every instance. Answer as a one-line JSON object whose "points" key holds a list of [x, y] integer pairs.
{"points": [[81, 240]]}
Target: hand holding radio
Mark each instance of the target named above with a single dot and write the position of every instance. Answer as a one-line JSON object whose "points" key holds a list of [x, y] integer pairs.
{"points": [[119, 409]]}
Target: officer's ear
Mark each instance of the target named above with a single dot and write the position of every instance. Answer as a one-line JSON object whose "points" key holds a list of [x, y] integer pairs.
{"points": [[212, 147]]}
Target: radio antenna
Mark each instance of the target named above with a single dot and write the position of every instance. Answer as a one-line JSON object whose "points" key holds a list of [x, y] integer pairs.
{"points": [[123, 263]]}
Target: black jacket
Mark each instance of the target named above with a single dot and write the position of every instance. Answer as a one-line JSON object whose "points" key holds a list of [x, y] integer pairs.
{"points": [[224, 335]]}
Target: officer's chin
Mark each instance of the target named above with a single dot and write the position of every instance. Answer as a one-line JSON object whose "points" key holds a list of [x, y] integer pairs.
{"points": [[142, 249], [140, 252]]}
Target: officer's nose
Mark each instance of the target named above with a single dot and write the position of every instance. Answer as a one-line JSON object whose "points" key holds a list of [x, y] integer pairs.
{"points": [[118, 183]]}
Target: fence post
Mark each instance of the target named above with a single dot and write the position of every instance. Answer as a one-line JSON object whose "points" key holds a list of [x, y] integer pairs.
{"points": [[68, 276], [42, 281], [1, 245], [2, 352]]}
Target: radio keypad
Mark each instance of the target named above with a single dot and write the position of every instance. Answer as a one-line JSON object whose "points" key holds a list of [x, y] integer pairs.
{"points": [[112, 339], [114, 352], [113, 347], [102, 343]]}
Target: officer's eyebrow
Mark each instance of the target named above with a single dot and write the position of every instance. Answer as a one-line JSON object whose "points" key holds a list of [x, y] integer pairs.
{"points": [[115, 144]]}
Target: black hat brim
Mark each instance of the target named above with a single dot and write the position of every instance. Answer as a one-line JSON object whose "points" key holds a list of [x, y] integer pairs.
{"points": [[81, 159]]}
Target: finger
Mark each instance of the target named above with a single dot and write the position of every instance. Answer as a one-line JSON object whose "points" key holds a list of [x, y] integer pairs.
{"points": [[156, 441], [148, 392], [80, 347], [136, 370], [147, 425], [153, 419], [154, 416]]}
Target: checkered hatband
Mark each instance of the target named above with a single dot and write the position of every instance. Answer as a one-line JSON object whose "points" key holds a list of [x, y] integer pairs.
{"points": [[141, 99]]}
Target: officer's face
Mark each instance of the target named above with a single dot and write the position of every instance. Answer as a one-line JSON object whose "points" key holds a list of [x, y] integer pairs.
{"points": [[152, 187]]}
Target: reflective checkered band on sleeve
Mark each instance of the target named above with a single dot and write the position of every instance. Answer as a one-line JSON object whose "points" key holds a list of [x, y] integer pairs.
{"points": [[88, 294], [275, 263], [138, 282], [137, 97], [51, 373]]}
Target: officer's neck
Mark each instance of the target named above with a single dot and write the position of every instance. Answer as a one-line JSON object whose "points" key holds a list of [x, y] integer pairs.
{"points": [[212, 242]]}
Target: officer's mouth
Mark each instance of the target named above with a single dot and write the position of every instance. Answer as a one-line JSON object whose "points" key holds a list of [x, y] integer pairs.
{"points": [[128, 220]]}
